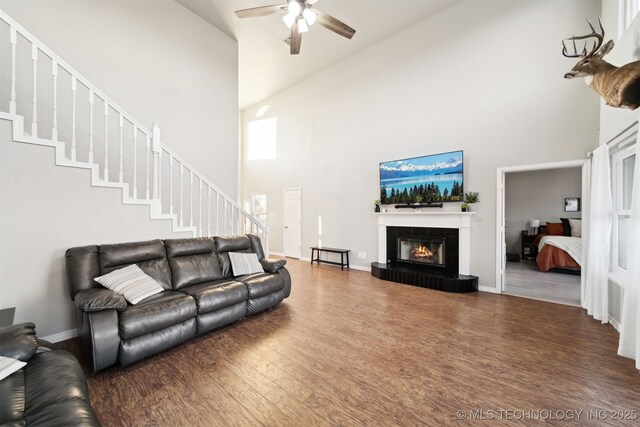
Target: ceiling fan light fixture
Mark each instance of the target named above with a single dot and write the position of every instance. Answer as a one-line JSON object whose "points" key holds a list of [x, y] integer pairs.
{"points": [[302, 26], [294, 7], [289, 19], [309, 16]]}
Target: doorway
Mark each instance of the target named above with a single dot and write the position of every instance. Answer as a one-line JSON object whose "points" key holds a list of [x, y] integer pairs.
{"points": [[534, 250], [292, 222]]}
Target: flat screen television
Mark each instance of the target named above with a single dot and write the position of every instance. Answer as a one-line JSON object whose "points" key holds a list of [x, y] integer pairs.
{"points": [[427, 179]]}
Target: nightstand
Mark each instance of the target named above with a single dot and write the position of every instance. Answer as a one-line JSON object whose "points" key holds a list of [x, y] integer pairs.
{"points": [[529, 251]]}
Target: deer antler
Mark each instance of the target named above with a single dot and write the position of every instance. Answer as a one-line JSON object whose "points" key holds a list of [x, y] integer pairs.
{"points": [[596, 44]]}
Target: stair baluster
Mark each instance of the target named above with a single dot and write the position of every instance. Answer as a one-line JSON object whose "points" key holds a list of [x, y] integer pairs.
{"points": [[155, 147], [171, 184], [91, 101], [34, 122], [106, 141], [200, 209], [208, 211], [13, 40], [54, 74], [121, 172], [148, 151], [217, 213], [135, 161], [74, 88], [190, 198]]}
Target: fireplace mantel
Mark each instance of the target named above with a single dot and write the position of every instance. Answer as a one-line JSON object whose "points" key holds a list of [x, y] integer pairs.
{"points": [[441, 219]]}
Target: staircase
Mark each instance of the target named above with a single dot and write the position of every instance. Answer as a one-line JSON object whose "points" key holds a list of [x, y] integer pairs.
{"points": [[103, 138]]}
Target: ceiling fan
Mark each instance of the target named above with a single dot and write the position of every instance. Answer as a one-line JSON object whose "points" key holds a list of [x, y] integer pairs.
{"points": [[299, 16]]}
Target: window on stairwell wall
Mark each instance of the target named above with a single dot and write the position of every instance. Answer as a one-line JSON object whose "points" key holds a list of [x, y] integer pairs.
{"points": [[261, 139]]}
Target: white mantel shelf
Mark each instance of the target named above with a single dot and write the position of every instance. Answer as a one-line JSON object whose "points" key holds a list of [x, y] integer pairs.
{"points": [[451, 219]]}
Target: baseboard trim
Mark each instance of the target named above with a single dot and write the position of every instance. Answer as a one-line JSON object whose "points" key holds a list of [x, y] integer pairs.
{"points": [[277, 254], [61, 336], [614, 323], [488, 289]]}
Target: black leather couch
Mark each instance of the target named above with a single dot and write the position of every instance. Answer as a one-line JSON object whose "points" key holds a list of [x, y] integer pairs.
{"points": [[200, 294], [50, 390]]}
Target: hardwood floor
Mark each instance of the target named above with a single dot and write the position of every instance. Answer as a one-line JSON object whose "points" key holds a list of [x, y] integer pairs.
{"points": [[349, 349], [523, 279]]}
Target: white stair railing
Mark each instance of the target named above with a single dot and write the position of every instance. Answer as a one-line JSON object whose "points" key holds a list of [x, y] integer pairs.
{"points": [[209, 212]]}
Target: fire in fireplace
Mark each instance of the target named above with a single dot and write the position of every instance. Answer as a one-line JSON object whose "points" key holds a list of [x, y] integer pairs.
{"points": [[421, 250]]}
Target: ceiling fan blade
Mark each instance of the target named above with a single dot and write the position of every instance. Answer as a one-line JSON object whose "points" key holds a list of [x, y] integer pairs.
{"points": [[312, 2], [334, 24], [261, 11], [295, 41]]}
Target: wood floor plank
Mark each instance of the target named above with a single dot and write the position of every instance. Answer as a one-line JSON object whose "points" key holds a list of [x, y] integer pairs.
{"points": [[348, 349]]}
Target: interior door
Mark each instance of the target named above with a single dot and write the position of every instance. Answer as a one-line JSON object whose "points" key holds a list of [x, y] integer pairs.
{"points": [[292, 230]]}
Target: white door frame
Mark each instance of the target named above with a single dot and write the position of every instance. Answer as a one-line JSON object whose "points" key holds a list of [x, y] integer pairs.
{"points": [[500, 214], [284, 233]]}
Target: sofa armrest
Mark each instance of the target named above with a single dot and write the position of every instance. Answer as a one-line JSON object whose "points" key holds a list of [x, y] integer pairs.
{"points": [[19, 341], [272, 265], [99, 299]]}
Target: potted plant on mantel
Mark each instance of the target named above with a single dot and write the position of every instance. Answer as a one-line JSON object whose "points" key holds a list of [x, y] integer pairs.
{"points": [[377, 203], [469, 198]]}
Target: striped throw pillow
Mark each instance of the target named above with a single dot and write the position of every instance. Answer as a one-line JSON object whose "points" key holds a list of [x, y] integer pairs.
{"points": [[245, 263], [130, 282]]}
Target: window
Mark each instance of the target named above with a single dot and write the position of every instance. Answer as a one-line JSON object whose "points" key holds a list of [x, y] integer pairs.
{"points": [[259, 207], [261, 139], [627, 11], [623, 164]]}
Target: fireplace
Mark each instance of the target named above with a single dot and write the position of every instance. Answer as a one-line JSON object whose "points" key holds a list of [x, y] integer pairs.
{"points": [[421, 250], [427, 249]]}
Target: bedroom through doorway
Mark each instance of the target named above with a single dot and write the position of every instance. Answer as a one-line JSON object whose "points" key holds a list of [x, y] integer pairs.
{"points": [[541, 232]]}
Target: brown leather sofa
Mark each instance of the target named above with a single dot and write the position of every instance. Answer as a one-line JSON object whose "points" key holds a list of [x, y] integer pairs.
{"points": [[201, 294]]}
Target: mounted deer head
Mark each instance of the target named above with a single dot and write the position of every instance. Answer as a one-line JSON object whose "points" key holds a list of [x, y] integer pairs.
{"points": [[619, 87]]}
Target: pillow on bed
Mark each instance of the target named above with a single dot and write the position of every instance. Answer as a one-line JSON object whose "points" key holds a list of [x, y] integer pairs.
{"points": [[566, 227], [576, 227], [555, 229]]}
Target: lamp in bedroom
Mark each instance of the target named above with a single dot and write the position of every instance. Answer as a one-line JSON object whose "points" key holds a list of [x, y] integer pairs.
{"points": [[533, 226]]}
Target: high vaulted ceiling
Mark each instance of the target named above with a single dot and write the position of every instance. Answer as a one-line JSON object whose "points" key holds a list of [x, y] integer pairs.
{"points": [[266, 67]]}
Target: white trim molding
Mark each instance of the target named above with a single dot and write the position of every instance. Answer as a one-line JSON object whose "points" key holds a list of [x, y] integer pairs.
{"points": [[61, 336], [500, 204]]}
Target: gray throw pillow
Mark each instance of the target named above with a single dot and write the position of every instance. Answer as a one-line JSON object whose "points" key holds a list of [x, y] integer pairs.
{"points": [[130, 282], [245, 263]]}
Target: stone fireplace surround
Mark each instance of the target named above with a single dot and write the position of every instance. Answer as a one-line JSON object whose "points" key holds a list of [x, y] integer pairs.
{"points": [[454, 277]]}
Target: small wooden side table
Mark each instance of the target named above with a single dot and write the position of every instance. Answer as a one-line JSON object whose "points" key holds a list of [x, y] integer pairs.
{"points": [[529, 251]]}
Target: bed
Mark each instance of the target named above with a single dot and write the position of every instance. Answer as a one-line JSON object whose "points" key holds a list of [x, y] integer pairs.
{"points": [[556, 252]]}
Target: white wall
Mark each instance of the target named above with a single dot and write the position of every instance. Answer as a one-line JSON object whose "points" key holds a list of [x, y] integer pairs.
{"points": [[482, 76], [158, 61], [538, 195], [44, 210], [162, 64]]}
